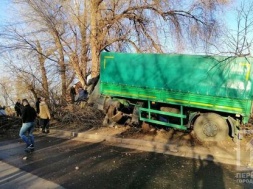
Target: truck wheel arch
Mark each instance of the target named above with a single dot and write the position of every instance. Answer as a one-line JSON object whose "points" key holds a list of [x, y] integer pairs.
{"points": [[192, 118]]}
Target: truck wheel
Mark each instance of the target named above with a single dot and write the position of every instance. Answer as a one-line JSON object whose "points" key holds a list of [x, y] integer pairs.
{"points": [[210, 127]]}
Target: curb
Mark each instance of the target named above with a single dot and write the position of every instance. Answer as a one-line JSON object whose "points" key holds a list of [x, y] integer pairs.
{"points": [[201, 153]]}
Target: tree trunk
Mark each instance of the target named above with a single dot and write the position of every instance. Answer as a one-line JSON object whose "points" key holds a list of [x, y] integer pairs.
{"points": [[62, 66], [43, 71], [94, 35], [84, 51], [78, 68]]}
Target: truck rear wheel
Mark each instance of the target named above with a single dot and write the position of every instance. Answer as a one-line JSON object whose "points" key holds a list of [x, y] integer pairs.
{"points": [[210, 127]]}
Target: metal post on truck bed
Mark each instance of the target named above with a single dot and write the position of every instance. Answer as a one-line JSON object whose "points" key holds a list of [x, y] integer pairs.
{"points": [[149, 118], [181, 118], [149, 107]]}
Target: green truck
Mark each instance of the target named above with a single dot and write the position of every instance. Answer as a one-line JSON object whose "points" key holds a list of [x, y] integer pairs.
{"points": [[211, 95]]}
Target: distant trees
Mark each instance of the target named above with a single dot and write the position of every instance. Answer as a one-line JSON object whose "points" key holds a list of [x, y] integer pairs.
{"points": [[63, 39], [6, 91]]}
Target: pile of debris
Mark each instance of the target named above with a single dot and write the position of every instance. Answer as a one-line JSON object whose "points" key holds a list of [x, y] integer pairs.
{"points": [[8, 122], [9, 126], [80, 116]]}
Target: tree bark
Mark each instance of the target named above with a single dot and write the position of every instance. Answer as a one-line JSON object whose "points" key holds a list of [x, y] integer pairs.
{"points": [[94, 34], [62, 66], [43, 71]]}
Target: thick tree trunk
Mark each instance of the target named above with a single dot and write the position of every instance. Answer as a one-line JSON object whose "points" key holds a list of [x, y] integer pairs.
{"points": [[78, 68], [62, 67], [43, 71], [94, 37], [84, 51], [79, 61]]}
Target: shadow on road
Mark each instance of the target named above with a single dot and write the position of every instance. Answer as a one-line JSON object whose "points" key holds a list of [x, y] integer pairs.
{"points": [[209, 174], [77, 164]]}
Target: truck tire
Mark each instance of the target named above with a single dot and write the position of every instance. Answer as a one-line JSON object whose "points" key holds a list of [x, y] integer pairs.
{"points": [[210, 127]]}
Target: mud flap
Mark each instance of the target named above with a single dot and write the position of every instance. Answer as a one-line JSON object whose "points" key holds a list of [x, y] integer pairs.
{"points": [[101, 102], [117, 117], [135, 116], [234, 127]]}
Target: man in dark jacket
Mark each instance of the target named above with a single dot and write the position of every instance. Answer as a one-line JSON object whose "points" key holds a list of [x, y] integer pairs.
{"points": [[72, 94], [38, 105], [28, 123], [18, 108]]}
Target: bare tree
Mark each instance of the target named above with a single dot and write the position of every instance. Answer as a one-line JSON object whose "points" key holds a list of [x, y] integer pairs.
{"points": [[47, 34], [239, 41], [23, 48], [67, 34], [133, 23], [6, 91], [26, 77], [77, 40]]}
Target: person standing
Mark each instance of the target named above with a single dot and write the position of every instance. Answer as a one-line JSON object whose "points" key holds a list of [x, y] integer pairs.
{"points": [[37, 105], [28, 122], [18, 108], [72, 94], [82, 95], [44, 116]]}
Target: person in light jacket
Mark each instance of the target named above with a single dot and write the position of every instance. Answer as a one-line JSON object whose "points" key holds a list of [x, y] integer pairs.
{"points": [[44, 116]]}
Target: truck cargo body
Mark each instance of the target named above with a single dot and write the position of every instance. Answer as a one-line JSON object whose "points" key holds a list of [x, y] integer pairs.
{"points": [[204, 83]]}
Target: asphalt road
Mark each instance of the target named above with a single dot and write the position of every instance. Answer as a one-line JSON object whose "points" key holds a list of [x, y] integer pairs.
{"points": [[62, 163]]}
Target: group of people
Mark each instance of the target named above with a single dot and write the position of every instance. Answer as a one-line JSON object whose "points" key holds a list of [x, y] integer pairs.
{"points": [[29, 115]]}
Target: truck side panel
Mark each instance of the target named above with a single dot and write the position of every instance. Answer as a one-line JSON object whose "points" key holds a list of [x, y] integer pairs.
{"points": [[212, 83]]}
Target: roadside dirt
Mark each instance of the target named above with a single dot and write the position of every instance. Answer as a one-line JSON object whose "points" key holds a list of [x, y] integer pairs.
{"points": [[74, 118]]}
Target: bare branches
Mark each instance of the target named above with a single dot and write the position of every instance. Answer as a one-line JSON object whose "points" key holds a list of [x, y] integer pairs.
{"points": [[67, 36], [238, 41]]}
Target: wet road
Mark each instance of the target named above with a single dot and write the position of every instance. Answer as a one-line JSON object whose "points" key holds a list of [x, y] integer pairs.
{"points": [[76, 164]]}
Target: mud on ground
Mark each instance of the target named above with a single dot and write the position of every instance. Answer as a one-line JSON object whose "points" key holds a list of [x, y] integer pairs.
{"points": [[88, 118]]}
